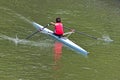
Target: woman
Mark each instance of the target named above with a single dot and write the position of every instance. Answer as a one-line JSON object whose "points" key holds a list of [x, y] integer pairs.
{"points": [[58, 27]]}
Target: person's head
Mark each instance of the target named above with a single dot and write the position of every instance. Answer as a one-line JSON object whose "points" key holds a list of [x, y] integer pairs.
{"points": [[58, 20]]}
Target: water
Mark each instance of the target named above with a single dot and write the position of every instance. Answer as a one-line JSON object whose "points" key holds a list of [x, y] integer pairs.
{"points": [[45, 43], [39, 59]]}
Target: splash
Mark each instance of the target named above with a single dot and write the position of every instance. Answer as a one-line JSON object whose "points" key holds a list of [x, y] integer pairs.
{"points": [[106, 38], [26, 42], [22, 41]]}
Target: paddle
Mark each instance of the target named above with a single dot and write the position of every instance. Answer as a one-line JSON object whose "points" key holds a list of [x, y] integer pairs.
{"points": [[29, 36], [93, 37]]}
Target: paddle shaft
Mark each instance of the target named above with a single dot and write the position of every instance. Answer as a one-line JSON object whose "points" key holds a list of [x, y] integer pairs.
{"points": [[83, 34], [36, 32], [87, 35], [31, 34]]}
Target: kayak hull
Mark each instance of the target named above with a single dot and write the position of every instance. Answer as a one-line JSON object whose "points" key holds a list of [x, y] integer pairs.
{"points": [[64, 40]]}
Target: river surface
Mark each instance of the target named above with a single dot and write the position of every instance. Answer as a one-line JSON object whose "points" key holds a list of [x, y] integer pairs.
{"points": [[43, 58]]}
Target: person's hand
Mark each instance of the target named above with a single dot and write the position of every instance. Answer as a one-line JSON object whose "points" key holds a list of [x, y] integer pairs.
{"points": [[73, 30]]}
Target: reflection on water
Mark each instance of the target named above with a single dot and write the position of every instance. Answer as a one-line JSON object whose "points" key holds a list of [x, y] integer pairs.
{"points": [[57, 54], [57, 51], [57, 57]]}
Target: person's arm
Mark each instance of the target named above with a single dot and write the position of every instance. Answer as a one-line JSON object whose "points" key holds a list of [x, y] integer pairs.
{"points": [[52, 23]]}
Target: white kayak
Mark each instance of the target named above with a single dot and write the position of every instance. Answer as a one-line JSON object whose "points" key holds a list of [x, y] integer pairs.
{"points": [[64, 40]]}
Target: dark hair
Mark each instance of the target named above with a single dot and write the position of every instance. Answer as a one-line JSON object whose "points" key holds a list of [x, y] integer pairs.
{"points": [[58, 20]]}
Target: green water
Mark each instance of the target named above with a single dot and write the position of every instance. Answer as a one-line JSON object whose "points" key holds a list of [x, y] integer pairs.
{"points": [[34, 59]]}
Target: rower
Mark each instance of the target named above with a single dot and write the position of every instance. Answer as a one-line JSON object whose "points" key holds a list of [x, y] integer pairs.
{"points": [[58, 27]]}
